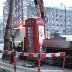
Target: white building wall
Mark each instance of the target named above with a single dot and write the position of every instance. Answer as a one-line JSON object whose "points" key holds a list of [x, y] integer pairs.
{"points": [[56, 20]]}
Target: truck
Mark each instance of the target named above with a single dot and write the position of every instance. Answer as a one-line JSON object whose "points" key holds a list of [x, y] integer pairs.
{"points": [[57, 43]]}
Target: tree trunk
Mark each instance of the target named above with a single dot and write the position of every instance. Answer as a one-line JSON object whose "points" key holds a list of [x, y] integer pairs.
{"points": [[8, 26]]}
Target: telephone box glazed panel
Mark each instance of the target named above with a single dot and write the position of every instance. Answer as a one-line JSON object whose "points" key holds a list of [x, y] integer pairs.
{"points": [[35, 34]]}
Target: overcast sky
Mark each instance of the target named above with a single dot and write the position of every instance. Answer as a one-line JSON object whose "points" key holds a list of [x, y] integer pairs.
{"points": [[1, 7], [46, 3], [57, 2]]}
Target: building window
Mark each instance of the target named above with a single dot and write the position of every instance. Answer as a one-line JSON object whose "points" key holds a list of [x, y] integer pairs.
{"points": [[17, 6], [69, 32], [53, 25], [56, 19], [61, 20], [49, 11], [61, 25], [69, 21], [68, 17], [52, 15], [69, 26], [56, 15], [57, 25], [56, 10], [63, 31], [52, 21], [48, 20], [48, 26], [68, 13], [60, 15], [62, 11]]}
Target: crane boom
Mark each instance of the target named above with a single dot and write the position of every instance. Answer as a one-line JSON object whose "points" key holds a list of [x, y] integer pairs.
{"points": [[40, 8]]}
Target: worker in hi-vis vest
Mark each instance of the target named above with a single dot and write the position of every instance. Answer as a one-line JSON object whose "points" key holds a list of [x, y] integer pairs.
{"points": [[12, 47], [23, 43], [12, 44]]}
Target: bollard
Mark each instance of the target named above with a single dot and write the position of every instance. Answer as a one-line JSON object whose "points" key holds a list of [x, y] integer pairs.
{"points": [[14, 63], [38, 64]]}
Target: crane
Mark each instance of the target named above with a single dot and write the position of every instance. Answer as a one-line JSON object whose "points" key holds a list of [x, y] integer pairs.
{"points": [[40, 8]]}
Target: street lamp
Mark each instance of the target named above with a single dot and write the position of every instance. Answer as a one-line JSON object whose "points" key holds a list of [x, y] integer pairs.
{"points": [[65, 15], [20, 26], [65, 19]]}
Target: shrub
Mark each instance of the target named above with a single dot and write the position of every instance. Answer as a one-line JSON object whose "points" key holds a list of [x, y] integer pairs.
{"points": [[4, 70]]}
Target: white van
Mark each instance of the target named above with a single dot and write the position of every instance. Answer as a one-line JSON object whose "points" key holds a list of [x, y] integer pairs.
{"points": [[1, 46]]}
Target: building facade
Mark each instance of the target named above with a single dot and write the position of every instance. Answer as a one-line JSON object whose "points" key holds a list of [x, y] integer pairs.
{"points": [[59, 20]]}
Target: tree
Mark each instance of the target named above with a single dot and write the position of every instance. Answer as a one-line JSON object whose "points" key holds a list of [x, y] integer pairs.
{"points": [[9, 25]]}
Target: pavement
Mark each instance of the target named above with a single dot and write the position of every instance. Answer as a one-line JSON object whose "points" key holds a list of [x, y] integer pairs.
{"points": [[20, 68]]}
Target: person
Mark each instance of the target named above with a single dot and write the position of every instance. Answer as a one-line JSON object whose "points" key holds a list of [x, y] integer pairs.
{"points": [[12, 47], [23, 44], [19, 48], [12, 44]]}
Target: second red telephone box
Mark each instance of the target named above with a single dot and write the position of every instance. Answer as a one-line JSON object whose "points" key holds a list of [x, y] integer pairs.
{"points": [[35, 34]]}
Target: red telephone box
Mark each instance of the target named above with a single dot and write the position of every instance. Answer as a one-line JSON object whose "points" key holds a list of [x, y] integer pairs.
{"points": [[35, 34]]}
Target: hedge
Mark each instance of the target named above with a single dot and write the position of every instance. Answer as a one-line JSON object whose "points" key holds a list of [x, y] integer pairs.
{"points": [[4, 70]]}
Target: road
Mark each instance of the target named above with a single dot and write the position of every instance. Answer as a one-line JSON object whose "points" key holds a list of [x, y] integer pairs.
{"points": [[20, 68]]}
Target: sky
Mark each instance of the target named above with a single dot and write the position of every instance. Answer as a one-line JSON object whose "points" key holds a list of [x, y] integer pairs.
{"points": [[1, 7], [58, 2], [47, 3]]}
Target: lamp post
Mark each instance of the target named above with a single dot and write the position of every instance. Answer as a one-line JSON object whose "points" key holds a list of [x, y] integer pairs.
{"points": [[65, 16], [65, 19]]}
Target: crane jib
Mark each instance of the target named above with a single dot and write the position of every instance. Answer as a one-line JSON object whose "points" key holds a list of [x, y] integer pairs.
{"points": [[40, 7]]}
